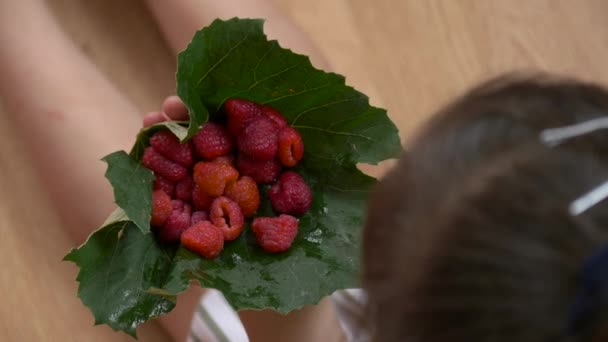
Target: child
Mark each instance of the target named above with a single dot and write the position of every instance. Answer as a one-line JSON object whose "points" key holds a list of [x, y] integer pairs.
{"points": [[493, 225]]}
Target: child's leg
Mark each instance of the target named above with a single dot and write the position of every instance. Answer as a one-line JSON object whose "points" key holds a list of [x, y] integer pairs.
{"points": [[179, 20], [70, 116]]}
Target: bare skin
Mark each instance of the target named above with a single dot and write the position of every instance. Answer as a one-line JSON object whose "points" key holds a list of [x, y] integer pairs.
{"points": [[70, 110]]}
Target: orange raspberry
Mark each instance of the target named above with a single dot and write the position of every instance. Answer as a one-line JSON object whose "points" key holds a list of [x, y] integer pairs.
{"points": [[204, 239], [246, 194], [200, 200], [212, 178], [291, 147], [161, 207], [227, 215]]}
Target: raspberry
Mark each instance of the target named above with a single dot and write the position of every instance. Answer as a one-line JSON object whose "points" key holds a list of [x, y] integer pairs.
{"points": [[199, 216], [246, 194], [275, 116], [275, 234], [167, 144], [213, 141], [290, 195], [291, 147], [263, 172], [204, 239], [163, 166], [161, 207], [227, 159], [200, 199], [240, 113], [213, 177], [259, 139], [162, 183], [227, 215], [184, 188], [176, 224], [177, 204]]}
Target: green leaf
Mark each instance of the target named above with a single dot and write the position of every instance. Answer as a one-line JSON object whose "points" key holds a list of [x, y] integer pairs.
{"points": [[118, 264], [234, 59], [132, 184], [340, 129]]}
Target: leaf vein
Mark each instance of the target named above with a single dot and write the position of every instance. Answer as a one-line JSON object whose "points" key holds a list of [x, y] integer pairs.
{"points": [[274, 75], [257, 66], [222, 59], [335, 132], [298, 93], [323, 106]]}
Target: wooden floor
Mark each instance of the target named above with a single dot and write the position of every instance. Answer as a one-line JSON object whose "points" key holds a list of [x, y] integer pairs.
{"points": [[410, 56]]}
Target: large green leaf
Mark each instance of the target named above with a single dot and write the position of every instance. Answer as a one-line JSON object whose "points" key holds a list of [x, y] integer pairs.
{"points": [[118, 264], [132, 187], [340, 129], [234, 59]]}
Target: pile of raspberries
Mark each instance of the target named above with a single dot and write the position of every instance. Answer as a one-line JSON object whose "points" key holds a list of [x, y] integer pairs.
{"points": [[206, 188]]}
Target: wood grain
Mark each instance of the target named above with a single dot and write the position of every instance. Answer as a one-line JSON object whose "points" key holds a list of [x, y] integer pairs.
{"points": [[410, 56]]}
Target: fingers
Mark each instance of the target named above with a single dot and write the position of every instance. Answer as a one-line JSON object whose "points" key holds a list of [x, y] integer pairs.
{"points": [[152, 118], [175, 108], [172, 109]]}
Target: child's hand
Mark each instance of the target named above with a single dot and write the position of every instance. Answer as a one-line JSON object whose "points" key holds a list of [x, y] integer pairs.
{"points": [[172, 109]]}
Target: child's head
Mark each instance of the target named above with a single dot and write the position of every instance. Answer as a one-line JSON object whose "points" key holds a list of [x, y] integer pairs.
{"points": [[470, 238]]}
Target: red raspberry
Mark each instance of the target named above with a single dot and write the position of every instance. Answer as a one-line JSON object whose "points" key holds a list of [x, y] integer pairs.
{"points": [[200, 199], [204, 239], [176, 224], [259, 139], [240, 113], [163, 166], [291, 147], [184, 188], [177, 204], [212, 178], [199, 216], [167, 144], [213, 141], [227, 159], [161, 207], [290, 195], [246, 194], [263, 172], [227, 215], [275, 116], [275, 234], [162, 183]]}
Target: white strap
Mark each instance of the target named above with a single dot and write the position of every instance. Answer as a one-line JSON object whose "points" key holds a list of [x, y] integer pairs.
{"points": [[555, 136], [589, 199]]}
